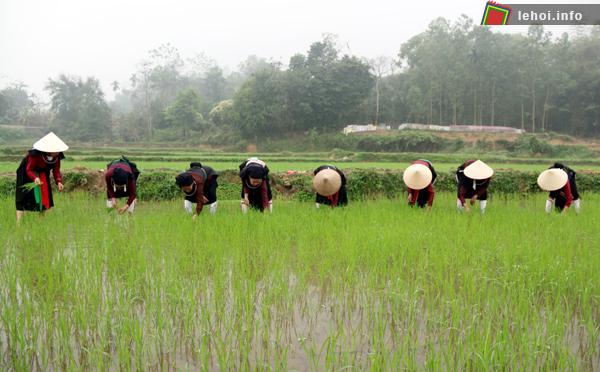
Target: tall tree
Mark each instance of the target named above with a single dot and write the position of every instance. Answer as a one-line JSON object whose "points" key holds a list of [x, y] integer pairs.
{"points": [[185, 113], [380, 67], [16, 104], [156, 83], [79, 108]]}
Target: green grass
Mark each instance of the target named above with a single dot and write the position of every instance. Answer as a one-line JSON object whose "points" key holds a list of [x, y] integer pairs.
{"points": [[374, 286], [275, 166], [178, 158]]}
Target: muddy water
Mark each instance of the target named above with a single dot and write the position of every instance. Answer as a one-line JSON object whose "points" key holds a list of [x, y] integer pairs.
{"points": [[311, 328]]}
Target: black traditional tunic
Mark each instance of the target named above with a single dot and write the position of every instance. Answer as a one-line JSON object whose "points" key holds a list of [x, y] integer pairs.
{"points": [[259, 196], [36, 165], [426, 195], [468, 187], [340, 198], [130, 191], [209, 186], [565, 196]]}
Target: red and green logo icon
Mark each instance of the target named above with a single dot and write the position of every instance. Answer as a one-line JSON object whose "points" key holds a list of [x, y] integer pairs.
{"points": [[495, 14]]}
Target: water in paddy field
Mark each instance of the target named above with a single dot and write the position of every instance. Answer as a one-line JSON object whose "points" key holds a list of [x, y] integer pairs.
{"points": [[374, 286]]}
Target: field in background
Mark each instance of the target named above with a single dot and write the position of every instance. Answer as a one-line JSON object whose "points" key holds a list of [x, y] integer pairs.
{"points": [[377, 285], [179, 159], [9, 167]]}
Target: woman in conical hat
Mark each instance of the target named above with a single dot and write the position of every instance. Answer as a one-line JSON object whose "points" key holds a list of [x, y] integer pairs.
{"points": [[473, 179], [44, 157], [562, 188], [419, 178], [330, 184]]}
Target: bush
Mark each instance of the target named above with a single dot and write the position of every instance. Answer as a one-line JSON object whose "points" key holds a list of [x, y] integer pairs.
{"points": [[402, 142], [532, 145], [7, 186], [505, 145], [158, 186], [362, 184], [483, 145]]}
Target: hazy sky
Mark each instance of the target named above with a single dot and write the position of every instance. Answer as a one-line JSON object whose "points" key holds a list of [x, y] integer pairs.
{"points": [[40, 39]]}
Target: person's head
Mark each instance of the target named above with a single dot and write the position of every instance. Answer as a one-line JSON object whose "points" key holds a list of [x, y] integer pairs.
{"points": [[256, 175], [50, 157], [50, 146], [186, 183], [120, 177], [254, 182], [327, 182], [478, 170]]}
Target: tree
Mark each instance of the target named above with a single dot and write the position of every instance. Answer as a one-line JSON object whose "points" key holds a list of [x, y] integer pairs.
{"points": [[79, 108], [222, 113], [380, 67], [16, 104], [214, 85], [156, 83], [258, 106], [537, 44], [185, 113]]}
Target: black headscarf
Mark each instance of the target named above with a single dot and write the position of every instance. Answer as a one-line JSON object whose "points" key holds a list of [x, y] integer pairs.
{"points": [[257, 172], [120, 176], [184, 179]]}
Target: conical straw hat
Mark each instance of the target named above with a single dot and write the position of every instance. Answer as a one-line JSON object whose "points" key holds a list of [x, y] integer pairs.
{"points": [[417, 176], [327, 182], [50, 143], [552, 179], [478, 170]]}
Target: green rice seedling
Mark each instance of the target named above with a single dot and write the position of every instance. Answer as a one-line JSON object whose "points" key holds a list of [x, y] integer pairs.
{"points": [[376, 285], [29, 186], [32, 186]]}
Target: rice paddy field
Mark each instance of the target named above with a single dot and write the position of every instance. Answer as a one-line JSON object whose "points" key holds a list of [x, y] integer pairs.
{"points": [[152, 158], [376, 285], [281, 166]]}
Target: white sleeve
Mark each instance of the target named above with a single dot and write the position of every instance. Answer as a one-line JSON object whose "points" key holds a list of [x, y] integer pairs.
{"points": [[459, 205], [188, 205], [548, 205], [577, 205], [482, 205]]}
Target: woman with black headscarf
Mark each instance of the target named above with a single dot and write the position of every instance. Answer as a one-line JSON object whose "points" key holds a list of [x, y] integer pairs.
{"points": [[256, 190], [199, 185], [121, 181], [35, 168]]}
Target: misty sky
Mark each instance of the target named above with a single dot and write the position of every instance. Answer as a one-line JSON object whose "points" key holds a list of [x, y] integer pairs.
{"points": [[40, 39]]}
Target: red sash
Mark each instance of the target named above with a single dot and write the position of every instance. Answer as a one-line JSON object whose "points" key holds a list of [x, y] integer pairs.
{"points": [[334, 199], [44, 188]]}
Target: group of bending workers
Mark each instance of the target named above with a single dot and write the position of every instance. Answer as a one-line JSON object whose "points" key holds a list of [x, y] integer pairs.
{"points": [[473, 179], [199, 183]]}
